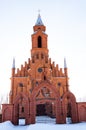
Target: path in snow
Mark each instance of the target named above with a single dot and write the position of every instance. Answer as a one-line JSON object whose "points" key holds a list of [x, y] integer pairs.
{"points": [[46, 124]]}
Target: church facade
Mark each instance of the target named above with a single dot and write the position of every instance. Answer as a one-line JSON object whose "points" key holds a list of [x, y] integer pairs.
{"points": [[41, 88]]}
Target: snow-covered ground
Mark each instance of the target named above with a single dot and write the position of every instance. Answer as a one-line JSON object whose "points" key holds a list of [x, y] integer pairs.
{"points": [[46, 124]]}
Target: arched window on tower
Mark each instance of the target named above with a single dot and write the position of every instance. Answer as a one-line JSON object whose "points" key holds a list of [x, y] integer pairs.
{"points": [[39, 42]]}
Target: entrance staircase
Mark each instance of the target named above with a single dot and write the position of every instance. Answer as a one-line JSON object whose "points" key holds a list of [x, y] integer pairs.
{"points": [[45, 119]]}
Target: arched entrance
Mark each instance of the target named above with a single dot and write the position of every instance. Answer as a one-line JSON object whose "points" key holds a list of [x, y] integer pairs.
{"points": [[45, 107], [46, 97], [41, 109], [45, 111], [69, 107], [21, 108]]}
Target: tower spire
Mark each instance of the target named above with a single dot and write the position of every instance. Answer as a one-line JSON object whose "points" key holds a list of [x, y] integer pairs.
{"points": [[39, 24], [13, 65], [65, 65], [39, 20]]}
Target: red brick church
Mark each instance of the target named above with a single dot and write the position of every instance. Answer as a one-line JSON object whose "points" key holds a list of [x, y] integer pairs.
{"points": [[40, 87]]}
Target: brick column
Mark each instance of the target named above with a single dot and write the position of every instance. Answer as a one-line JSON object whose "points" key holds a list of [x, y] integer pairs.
{"points": [[28, 117], [16, 114], [59, 117], [32, 111]]}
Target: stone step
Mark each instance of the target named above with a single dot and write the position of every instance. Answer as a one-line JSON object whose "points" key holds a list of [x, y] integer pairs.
{"points": [[45, 119]]}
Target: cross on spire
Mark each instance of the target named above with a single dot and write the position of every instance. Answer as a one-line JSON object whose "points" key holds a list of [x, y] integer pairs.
{"points": [[39, 11]]}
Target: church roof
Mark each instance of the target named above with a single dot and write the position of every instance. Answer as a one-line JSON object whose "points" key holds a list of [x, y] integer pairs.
{"points": [[39, 21]]}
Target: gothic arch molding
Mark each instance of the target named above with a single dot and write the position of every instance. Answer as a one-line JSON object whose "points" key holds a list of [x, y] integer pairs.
{"points": [[21, 98], [72, 100], [57, 100], [69, 94], [49, 86]]}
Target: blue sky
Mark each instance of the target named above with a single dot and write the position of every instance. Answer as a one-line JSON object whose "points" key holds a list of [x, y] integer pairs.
{"points": [[65, 22]]}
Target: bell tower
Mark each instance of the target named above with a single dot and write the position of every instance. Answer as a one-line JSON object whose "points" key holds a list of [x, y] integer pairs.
{"points": [[39, 40]]}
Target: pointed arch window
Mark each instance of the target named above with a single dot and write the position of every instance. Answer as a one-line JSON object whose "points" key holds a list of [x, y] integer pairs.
{"points": [[22, 110], [39, 42]]}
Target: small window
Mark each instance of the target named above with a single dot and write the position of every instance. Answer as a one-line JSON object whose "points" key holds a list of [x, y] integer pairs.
{"points": [[39, 42], [36, 82], [20, 84], [22, 109], [44, 77], [59, 84]]}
